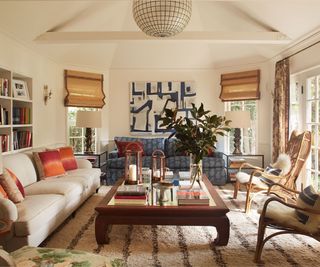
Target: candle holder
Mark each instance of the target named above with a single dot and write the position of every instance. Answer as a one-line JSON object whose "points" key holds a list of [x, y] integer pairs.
{"points": [[158, 165], [133, 164]]}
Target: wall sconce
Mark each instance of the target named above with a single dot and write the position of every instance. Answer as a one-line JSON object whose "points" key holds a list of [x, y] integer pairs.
{"points": [[47, 94]]}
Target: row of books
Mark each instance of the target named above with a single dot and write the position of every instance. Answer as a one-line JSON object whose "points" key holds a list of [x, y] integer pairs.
{"points": [[21, 115], [130, 195], [4, 116], [5, 141], [22, 139], [4, 87]]}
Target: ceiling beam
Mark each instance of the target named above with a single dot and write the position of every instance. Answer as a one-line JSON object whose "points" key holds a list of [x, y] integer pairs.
{"points": [[257, 37]]}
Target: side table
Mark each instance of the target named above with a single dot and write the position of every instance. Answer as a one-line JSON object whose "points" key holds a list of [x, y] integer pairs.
{"points": [[98, 160], [233, 162]]}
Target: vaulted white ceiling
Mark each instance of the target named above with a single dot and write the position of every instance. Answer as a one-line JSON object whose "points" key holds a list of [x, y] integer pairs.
{"points": [[236, 27]]}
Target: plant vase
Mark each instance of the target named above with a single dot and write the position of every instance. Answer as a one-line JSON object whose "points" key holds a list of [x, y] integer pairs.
{"points": [[195, 171]]}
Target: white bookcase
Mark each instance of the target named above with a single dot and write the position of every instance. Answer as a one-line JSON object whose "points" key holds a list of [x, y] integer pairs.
{"points": [[16, 123]]}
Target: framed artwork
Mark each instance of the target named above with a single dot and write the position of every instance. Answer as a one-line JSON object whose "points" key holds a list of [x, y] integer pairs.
{"points": [[20, 89], [149, 99]]}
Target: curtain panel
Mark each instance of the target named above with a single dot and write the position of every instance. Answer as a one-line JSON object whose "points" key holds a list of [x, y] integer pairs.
{"points": [[281, 103]]}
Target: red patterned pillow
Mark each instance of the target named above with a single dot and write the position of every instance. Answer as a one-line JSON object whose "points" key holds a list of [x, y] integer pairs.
{"points": [[122, 146], [67, 157], [49, 164], [17, 182], [3, 193]]}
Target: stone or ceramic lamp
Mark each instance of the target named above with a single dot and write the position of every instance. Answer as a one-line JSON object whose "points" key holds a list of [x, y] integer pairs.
{"points": [[88, 120], [239, 119]]}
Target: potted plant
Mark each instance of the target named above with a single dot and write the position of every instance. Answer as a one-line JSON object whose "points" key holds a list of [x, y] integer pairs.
{"points": [[196, 136]]}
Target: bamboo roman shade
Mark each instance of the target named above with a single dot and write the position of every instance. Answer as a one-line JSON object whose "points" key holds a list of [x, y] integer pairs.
{"points": [[240, 86], [84, 89]]}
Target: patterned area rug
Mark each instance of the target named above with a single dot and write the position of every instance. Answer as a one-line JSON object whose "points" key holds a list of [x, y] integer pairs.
{"points": [[184, 245]]}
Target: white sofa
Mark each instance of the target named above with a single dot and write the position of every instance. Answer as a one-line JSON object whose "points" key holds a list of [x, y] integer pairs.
{"points": [[47, 202]]}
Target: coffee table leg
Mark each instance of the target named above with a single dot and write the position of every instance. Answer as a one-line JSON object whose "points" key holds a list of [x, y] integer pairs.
{"points": [[101, 230], [223, 229]]}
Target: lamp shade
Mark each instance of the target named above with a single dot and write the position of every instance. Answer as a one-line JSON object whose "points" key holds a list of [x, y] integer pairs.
{"points": [[88, 119], [239, 118]]}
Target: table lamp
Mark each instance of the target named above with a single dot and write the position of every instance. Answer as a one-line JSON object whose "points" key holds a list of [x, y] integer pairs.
{"points": [[88, 120], [239, 119]]}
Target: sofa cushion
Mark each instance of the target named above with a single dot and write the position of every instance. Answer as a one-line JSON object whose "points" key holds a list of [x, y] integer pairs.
{"points": [[21, 165], [122, 147], [55, 186], [49, 164], [149, 144], [120, 162], [36, 211], [67, 158], [10, 186], [90, 176], [178, 162]]}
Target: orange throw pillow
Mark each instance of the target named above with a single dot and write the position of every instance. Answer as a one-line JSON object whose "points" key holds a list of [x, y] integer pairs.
{"points": [[67, 157], [10, 187], [17, 182], [49, 164]]}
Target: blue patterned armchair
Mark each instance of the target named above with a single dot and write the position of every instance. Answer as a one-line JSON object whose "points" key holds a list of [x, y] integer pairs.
{"points": [[213, 166]]}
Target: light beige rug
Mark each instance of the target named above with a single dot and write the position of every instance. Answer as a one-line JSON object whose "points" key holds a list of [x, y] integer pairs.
{"points": [[185, 246]]}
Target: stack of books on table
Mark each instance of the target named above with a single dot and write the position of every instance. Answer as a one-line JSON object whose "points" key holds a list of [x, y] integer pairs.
{"points": [[236, 162], [130, 195], [190, 197]]}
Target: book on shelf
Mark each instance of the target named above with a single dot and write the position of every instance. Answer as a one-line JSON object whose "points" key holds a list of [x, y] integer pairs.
{"points": [[4, 116], [192, 197], [4, 87], [4, 138], [21, 115], [22, 139]]}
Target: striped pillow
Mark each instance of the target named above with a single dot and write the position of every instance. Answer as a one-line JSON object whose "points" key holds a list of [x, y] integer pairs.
{"points": [[67, 157], [270, 170], [308, 198]]}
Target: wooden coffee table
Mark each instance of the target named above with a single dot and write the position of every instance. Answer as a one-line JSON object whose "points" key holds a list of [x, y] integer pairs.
{"points": [[169, 214]]}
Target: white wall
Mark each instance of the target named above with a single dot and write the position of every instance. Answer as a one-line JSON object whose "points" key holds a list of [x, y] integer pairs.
{"points": [[49, 120], [208, 91]]}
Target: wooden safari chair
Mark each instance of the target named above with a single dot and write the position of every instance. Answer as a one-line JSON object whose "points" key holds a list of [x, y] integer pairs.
{"points": [[262, 181]]}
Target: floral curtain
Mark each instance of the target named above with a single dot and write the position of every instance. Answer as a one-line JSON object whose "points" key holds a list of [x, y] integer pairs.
{"points": [[281, 108]]}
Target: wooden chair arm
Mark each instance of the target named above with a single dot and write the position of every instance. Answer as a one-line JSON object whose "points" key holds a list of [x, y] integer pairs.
{"points": [[246, 164], [285, 188], [264, 174], [264, 210]]}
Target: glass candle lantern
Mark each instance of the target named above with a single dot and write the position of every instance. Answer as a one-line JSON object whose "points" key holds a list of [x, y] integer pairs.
{"points": [[158, 165], [133, 164]]}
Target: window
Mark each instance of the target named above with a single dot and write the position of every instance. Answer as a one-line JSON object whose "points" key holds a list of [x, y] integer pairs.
{"points": [[76, 135], [248, 136], [305, 114]]}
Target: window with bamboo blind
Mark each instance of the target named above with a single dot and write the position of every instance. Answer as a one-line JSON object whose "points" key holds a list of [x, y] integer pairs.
{"points": [[240, 86], [84, 89]]}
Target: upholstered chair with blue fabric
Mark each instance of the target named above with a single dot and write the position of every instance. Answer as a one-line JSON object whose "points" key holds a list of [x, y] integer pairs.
{"points": [[283, 172], [298, 217]]}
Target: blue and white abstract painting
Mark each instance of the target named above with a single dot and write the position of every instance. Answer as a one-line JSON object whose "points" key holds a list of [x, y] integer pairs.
{"points": [[149, 99]]}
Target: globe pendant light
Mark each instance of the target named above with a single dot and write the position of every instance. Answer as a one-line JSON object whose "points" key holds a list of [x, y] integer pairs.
{"points": [[162, 18]]}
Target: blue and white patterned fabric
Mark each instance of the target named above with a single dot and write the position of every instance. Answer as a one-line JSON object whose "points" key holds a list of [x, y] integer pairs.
{"points": [[213, 166], [149, 144]]}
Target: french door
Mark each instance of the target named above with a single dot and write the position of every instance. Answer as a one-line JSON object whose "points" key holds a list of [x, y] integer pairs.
{"points": [[305, 114]]}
